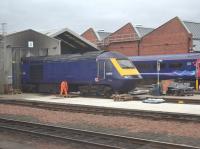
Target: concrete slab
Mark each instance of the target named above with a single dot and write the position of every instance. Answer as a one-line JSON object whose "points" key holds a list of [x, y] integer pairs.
{"points": [[165, 107], [194, 97]]}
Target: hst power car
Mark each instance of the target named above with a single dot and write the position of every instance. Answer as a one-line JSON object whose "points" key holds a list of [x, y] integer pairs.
{"points": [[91, 73]]}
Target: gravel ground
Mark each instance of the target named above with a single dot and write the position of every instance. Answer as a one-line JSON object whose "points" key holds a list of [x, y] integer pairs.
{"points": [[173, 131], [11, 140]]}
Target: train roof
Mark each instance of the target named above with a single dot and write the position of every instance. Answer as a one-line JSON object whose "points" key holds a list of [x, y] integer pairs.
{"points": [[64, 57], [166, 57], [88, 55]]}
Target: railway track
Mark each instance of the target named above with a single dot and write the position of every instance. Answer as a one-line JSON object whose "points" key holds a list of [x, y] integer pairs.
{"points": [[94, 139], [104, 110]]}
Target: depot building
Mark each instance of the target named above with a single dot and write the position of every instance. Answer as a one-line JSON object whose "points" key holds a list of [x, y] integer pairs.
{"points": [[28, 43]]}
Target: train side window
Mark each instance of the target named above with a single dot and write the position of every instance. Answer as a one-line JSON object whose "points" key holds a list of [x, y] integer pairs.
{"points": [[143, 66], [189, 63], [162, 66], [175, 65]]}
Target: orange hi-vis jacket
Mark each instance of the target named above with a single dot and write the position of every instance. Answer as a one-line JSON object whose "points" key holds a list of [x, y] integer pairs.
{"points": [[63, 87]]}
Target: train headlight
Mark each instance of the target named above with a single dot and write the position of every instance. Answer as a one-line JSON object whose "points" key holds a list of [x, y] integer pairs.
{"points": [[96, 79], [127, 77], [133, 77], [139, 76]]}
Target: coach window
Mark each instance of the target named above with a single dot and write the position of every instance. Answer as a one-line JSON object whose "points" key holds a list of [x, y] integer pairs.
{"points": [[162, 66], [175, 65]]}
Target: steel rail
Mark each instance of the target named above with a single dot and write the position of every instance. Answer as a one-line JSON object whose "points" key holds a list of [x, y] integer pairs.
{"points": [[97, 139]]}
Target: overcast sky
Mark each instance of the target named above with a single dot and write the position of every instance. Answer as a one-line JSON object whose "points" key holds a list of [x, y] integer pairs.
{"points": [[78, 15]]}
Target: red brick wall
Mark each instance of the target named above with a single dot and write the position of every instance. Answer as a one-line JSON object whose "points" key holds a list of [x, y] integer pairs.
{"points": [[123, 41], [126, 48], [90, 35], [170, 38], [124, 32]]}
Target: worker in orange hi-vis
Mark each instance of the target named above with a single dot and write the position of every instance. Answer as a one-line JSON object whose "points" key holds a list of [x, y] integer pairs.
{"points": [[63, 88]]}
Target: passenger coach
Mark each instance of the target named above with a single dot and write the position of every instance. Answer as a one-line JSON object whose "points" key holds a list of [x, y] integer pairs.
{"points": [[177, 66]]}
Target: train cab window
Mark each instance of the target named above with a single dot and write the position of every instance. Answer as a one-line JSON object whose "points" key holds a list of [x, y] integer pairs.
{"points": [[125, 63], [175, 65]]}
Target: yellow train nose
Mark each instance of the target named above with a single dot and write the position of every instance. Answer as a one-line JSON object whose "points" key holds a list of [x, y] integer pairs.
{"points": [[124, 71]]}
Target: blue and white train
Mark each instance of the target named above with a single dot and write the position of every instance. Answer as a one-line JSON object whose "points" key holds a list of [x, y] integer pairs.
{"points": [[176, 66]]}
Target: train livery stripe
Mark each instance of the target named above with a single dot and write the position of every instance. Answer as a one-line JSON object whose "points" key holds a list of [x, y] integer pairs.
{"points": [[124, 72]]}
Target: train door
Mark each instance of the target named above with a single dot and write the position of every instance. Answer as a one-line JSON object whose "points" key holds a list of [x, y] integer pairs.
{"points": [[198, 68], [101, 70], [197, 73]]}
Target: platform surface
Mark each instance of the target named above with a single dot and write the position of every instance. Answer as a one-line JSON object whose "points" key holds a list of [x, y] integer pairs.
{"points": [[165, 107]]}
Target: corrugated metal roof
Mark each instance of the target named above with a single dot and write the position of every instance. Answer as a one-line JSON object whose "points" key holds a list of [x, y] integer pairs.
{"points": [[194, 28], [196, 45], [50, 32], [68, 34], [30, 30], [142, 31], [102, 35], [56, 32]]}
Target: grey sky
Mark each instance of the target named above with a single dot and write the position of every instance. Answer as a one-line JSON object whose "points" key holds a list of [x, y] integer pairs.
{"points": [[78, 15]]}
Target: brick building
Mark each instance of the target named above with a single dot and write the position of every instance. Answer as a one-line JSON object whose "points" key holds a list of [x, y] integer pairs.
{"points": [[173, 37], [170, 38], [125, 40], [95, 37]]}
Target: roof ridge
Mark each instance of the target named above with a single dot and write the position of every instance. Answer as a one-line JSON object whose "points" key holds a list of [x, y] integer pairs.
{"points": [[191, 22], [144, 27], [103, 32], [169, 21]]}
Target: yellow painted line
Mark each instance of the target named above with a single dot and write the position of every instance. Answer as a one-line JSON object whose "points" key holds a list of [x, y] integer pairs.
{"points": [[124, 71]]}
